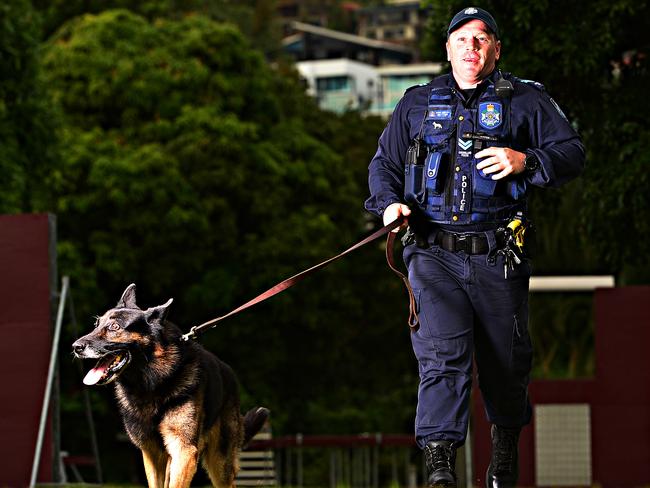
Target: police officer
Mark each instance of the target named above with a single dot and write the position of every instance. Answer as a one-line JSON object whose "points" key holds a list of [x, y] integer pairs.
{"points": [[456, 160]]}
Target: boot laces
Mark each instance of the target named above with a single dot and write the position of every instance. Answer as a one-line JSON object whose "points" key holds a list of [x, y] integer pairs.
{"points": [[504, 449], [438, 456]]}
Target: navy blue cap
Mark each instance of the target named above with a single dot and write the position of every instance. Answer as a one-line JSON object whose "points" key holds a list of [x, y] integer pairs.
{"points": [[472, 13]]}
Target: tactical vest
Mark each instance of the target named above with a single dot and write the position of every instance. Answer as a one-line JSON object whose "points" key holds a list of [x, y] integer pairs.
{"points": [[441, 178]]}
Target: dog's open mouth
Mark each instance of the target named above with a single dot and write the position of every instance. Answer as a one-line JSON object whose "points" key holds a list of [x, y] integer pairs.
{"points": [[108, 368]]}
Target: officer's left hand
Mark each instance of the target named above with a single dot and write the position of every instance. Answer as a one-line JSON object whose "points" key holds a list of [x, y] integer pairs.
{"points": [[500, 160]]}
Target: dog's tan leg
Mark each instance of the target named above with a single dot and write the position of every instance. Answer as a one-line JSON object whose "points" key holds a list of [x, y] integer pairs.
{"points": [[215, 460], [180, 432], [154, 467], [183, 463], [221, 455], [167, 468]]}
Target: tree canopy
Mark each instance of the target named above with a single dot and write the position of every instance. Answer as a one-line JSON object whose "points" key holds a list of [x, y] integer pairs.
{"points": [[26, 119]]}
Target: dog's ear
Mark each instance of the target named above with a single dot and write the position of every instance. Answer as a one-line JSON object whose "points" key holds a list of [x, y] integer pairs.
{"points": [[128, 298], [156, 315]]}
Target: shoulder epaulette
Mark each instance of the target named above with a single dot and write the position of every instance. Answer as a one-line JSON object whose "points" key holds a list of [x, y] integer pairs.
{"points": [[533, 83], [436, 82], [415, 86]]}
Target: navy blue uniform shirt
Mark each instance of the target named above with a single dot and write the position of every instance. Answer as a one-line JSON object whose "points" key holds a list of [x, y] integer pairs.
{"points": [[537, 125]]}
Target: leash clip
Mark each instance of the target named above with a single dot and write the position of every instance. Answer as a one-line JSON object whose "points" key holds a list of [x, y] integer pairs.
{"points": [[190, 335]]}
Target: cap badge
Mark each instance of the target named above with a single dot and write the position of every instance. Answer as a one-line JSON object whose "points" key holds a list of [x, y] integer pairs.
{"points": [[470, 11]]}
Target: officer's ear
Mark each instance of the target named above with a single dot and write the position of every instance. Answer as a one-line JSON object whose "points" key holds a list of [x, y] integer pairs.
{"points": [[497, 47], [447, 47]]}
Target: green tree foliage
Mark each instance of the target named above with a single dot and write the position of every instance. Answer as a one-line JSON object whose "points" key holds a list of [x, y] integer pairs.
{"points": [[254, 18], [26, 120], [616, 192]]}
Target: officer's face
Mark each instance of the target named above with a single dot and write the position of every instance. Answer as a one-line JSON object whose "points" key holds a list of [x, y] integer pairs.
{"points": [[473, 53]]}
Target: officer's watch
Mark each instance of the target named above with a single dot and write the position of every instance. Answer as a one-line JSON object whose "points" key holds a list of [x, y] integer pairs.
{"points": [[531, 163]]}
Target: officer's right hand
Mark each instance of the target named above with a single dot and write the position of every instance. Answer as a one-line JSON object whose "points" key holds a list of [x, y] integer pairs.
{"points": [[393, 211]]}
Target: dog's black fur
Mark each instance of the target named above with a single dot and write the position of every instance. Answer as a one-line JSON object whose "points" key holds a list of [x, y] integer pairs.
{"points": [[179, 403]]}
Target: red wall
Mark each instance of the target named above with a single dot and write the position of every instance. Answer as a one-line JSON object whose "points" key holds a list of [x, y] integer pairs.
{"points": [[619, 397], [621, 414], [25, 346]]}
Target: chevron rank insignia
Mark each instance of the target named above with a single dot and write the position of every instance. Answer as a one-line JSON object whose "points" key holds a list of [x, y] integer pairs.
{"points": [[464, 148], [464, 144]]}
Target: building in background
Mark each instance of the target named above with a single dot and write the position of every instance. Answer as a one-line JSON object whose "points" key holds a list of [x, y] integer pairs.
{"points": [[367, 71], [310, 42], [399, 21], [396, 79], [341, 84], [345, 84], [335, 15]]}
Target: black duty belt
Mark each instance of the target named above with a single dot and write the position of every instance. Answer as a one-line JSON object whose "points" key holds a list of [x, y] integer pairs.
{"points": [[469, 242]]}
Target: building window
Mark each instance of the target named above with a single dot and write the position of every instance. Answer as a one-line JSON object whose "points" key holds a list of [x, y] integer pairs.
{"points": [[395, 33], [333, 83]]}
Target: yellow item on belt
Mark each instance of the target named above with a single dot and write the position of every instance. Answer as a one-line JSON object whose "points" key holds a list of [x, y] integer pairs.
{"points": [[518, 230]]}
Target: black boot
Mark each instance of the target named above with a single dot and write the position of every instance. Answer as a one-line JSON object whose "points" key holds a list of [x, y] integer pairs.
{"points": [[440, 457], [504, 465]]}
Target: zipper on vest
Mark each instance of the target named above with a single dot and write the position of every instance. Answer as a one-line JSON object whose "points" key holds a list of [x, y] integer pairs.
{"points": [[451, 172]]}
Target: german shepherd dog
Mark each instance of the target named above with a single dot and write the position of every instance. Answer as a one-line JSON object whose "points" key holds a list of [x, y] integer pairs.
{"points": [[179, 403]]}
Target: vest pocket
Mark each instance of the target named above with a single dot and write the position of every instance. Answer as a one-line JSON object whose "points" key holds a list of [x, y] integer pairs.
{"points": [[438, 126], [414, 184], [436, 133], [484, 185]]}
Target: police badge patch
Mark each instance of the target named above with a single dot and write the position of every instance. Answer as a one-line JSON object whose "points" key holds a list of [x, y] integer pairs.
{"points": [[490, 115]]}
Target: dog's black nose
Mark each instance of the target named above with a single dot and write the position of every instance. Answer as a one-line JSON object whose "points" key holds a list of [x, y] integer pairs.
{"points": [[78, 347]]}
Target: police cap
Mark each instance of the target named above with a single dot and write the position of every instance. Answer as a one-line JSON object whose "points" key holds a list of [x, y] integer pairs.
{"points": [[473, 13]]}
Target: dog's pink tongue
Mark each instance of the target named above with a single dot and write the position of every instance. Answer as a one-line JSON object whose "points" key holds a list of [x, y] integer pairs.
{"points": [[94, 375]]}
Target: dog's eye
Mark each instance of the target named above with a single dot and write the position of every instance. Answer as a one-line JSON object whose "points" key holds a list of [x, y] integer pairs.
{"points": [[113, 326]]}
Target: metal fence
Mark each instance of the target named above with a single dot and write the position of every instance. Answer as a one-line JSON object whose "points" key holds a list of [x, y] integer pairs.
{"points": [[352, 461]]}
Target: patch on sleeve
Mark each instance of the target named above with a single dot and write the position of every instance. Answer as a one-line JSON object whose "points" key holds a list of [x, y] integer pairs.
{"points": [[559, 110]]}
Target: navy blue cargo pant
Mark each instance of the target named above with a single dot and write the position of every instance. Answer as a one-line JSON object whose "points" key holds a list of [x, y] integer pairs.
{"points": [[466, 307]]}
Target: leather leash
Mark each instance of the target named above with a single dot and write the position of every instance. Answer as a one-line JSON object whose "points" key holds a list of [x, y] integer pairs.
{"points": [[289, 282], [413, 320]]}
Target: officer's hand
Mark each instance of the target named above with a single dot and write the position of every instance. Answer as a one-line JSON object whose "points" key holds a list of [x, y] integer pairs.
{"points": [[393, 211], [500, 161]]}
